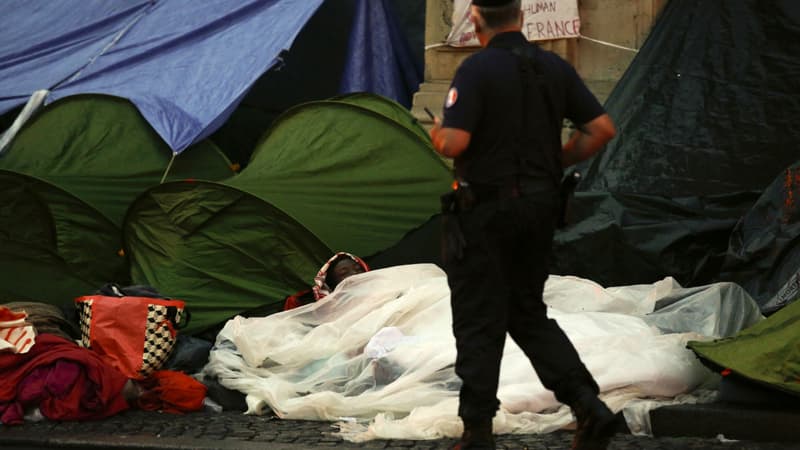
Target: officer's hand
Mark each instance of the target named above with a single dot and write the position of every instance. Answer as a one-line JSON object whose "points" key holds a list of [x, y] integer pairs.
{"points": [[437, 125]]}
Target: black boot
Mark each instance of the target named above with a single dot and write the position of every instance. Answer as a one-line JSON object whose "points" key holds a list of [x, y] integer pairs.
{"points": [[596, 423], [477, 436]]}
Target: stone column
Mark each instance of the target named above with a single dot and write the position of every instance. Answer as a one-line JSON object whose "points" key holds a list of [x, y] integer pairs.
{"points": [[440, 61]]}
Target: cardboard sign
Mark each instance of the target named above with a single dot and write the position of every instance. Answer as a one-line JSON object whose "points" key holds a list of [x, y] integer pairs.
{"points": [[542, 20]]}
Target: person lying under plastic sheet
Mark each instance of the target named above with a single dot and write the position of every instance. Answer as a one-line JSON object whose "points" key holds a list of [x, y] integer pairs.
{"points": [[334, 271], [376, 355]]}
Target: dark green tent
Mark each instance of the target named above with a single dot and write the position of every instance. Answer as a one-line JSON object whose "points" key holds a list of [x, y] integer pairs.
{"points": [[349, 171], [349, 174], [65, 184], [52, 245], [386, 107], [222, 250], [706, 115]]}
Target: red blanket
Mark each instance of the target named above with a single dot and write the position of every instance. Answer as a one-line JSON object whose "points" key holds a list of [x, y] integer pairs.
{"points": [[65, 381]]}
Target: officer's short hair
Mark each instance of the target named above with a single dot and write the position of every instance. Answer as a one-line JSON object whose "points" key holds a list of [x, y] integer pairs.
{"points": [[498, 16]]}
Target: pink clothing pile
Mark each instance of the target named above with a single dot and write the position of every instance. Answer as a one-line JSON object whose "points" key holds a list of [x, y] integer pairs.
{"points": [[63, 380]]}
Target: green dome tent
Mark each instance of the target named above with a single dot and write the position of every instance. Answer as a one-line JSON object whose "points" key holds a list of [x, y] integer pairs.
{"points": [[65, 183], [353, 174], [387, 108], [52, 244], [767, 353], [350, 171], [222, 250]]}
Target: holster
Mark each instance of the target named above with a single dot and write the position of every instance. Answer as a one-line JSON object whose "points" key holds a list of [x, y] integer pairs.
{"points": [[465, 197], [452, 241], [566, 192]]}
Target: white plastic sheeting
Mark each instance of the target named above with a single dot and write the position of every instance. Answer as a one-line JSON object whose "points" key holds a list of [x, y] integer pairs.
{"points": [[377, 354]]}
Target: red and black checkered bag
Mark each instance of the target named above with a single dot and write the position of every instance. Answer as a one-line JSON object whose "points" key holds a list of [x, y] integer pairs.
{"points": [[135, 334]]}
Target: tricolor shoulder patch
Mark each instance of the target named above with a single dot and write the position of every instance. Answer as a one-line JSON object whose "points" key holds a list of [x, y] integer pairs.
{"points": [[452, 97]]}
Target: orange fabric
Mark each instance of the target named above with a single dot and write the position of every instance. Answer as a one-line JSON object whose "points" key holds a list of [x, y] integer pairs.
{"points": [[171, 391], [119, 341], [301, 298], [7, 315], [118, 329]]}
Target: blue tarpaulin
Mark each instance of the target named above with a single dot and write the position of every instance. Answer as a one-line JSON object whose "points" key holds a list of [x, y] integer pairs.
{"points": [[379, 57], [185, 64]]}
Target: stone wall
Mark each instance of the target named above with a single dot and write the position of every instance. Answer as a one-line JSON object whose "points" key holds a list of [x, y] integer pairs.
{"points": [[623, 23]]}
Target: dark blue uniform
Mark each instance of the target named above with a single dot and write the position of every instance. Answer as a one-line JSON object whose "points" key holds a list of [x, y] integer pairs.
{"points": [[512, 165]]}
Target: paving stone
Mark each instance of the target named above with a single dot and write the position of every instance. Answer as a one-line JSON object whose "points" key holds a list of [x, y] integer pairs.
{"points": [[232, 430]]}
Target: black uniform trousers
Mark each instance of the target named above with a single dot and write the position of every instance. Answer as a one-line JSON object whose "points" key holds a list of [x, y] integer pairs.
{"points": [[496, 288]]}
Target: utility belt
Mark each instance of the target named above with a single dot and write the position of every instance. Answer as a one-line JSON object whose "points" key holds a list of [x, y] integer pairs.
{"points": [[518, 188], [466, 196]]}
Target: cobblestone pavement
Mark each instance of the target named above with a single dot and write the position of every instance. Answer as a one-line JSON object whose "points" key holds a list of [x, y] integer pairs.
{"points": [[233, 430]]}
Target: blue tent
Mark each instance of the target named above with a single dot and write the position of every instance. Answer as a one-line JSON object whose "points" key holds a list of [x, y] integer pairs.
{"points": [[379, 59], [184, 64]]}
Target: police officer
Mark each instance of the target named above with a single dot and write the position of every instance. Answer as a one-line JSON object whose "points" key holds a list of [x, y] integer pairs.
{"points": [[502, 123]]}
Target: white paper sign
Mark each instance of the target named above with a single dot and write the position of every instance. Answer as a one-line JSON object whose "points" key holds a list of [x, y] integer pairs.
{"points": [[542, 20]]}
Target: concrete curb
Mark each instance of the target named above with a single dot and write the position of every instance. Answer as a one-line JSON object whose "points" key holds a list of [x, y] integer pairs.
{"points": [[680, 427], [737, 422], [16, 440]]}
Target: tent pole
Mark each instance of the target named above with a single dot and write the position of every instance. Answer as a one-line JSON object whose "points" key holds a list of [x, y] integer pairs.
{"points": [[35, 102], [169, 166]]}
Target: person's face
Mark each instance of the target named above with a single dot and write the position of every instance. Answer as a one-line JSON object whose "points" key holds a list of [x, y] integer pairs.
{"points": [[346, 268]]}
